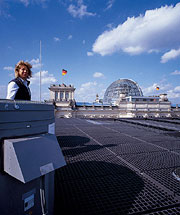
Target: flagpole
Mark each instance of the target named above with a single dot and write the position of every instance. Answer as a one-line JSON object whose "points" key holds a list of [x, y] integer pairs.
{"points": [[40, 74]]}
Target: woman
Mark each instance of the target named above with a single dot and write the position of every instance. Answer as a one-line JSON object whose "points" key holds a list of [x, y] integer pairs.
{"points": [[18, 88]]}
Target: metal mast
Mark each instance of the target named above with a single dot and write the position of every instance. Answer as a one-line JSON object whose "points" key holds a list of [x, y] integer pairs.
{"points": [[40, 73]]}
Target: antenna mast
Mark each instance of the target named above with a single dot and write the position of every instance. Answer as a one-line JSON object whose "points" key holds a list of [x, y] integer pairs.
{"points": [[40, 73]]}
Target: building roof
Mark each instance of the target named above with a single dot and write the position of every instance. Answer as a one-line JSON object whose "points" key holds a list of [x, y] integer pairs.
{"points": [[92, 104], [116, 167], [61, 86], [175, 105]]}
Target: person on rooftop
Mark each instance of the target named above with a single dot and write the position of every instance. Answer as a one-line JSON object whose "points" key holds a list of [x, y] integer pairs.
{"points": [[18, 88]]}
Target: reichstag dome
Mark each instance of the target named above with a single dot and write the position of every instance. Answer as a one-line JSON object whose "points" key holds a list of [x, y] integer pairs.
{"points": [[125, 86]]}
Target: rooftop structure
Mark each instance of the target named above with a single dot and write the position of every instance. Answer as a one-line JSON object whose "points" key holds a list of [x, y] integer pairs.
{"points": [[61, 92], [122, 99], [122, 86]]}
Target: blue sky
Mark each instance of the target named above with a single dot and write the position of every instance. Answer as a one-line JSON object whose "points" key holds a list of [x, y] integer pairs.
{"points": [[96, 41]]}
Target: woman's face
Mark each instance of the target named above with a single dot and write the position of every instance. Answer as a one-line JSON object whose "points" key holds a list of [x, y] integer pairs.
{"points": [[23, 72]]}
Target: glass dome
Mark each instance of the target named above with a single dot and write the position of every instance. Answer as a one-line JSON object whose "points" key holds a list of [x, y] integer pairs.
{"points": [[126, 86]]}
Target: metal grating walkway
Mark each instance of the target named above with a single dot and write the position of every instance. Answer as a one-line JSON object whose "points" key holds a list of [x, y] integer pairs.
{"points": [[116, 168]]}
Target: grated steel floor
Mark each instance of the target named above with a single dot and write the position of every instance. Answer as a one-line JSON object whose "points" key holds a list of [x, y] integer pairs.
{"points": [[116, 168]]}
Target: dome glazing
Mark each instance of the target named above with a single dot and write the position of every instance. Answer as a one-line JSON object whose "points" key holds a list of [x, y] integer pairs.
{"points": [[126, 86]]}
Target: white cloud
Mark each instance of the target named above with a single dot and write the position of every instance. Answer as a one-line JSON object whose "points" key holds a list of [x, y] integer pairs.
{"points": [[25, 2], [109, 4], [88, 84], [172, 54], [156, 30], [56, 39], [87, 92], [46, 78], [9, 68], [110, 25], [3, 91], [174, 95], [35, 63], [90, 54], [176, 72], [69, 37], [11, 75], [28, 2], [5, 5], [4, 9], [151, 90], [79, 10], [35, 93], [83, 41], [177, 89], [98, 75]]}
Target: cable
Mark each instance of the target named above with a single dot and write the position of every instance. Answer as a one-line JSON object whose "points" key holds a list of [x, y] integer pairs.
{"points": [[42, 195]]}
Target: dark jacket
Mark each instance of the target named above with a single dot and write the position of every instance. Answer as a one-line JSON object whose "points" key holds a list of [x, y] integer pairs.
{"points": [[22, 93]]}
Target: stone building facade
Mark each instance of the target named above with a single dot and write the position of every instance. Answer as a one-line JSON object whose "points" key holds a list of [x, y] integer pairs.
{"points": [[125, 106]]}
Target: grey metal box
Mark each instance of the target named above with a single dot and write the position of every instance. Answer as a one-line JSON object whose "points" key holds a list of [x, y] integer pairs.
{"points": [[29, 158], [19, 118]]}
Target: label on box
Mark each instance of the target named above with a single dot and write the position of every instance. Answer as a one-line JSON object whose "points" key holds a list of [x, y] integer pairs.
{"points": [[51, 128], [46, 168]]}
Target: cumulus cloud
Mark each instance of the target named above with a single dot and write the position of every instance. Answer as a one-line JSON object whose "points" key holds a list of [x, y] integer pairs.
{"points": [[56, 39], [9, 68], [46, 78], [177, 89], [156, 30], [35, 63], [172, 54], [176, 72], [174, 95], [79, 10], [35, 93], [110, 26], [90, 54], [151, 90], [28, 2], [98, 75], [25, 2], [3, 91], [69, 37], [173, 92], [87, 92], [109, 4], [11, 75], [4, 5], [4, 9]]}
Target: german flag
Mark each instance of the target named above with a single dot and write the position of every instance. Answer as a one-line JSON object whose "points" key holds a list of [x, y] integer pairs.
{"points": [[157, 88], [64, 72]]}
